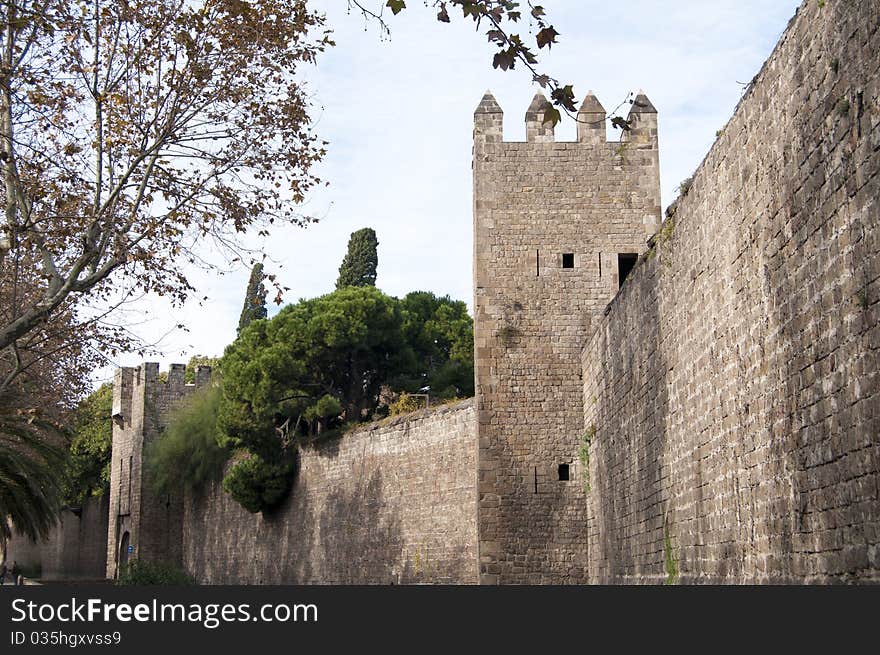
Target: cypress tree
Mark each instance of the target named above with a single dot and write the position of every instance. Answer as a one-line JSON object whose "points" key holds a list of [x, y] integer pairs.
{"points": [[358, 268], [254, 300]]}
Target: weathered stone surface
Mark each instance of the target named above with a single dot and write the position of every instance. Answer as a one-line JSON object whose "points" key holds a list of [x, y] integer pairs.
{"points": [[141, 406], [734, 385], [730, 390], [549, 222], [76, 548], [392, 503]]}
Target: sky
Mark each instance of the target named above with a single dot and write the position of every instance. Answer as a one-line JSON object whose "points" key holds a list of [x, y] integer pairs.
{"points": [[398, 115]]}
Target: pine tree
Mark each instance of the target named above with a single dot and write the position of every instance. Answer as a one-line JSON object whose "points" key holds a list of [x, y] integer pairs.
{"points": [[254, 299], [358, 269]]}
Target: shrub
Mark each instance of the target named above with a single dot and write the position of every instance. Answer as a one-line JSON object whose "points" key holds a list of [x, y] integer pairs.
{"points": [[258, 485], [87, 470], [685, 186], [405, 404], [137, 572], [188, 454]]}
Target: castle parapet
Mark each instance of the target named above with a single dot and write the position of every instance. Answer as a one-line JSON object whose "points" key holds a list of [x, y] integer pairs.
{"points": [[537, 131], [591, 120], [488, 120], [642, 120]]}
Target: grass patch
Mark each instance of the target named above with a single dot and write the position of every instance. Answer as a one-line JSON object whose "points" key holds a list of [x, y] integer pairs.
{"points": [[137, 573]]}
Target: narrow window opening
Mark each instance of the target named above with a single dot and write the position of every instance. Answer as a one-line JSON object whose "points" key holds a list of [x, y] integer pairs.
{"points": [[537, 263], [568, 260], [600, 264], [563, 472], [536, 479], [626, 262]]}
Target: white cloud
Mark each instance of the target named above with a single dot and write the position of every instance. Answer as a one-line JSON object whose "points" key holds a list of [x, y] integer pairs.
{"points": [[398, 116]]}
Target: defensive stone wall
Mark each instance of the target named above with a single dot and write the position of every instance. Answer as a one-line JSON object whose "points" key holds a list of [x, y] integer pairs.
{"points": [[391, 503], [732, 390], [76, 548], [554, 224], [141, 524]]}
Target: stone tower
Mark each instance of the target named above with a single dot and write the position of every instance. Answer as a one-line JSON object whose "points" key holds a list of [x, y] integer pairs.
{"points": [[557, 226], [143, 525]]}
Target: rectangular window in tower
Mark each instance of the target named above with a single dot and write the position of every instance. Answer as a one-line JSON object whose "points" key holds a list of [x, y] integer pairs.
{"points": [[568, 260], [626, 262], [564, 472]]}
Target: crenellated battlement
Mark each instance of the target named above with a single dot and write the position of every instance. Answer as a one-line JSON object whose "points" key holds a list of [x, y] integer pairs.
{"points": [[139, 382], [591, 122]]}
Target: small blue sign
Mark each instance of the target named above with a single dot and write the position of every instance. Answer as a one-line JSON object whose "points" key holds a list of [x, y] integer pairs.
{"points": [[131, 549]]}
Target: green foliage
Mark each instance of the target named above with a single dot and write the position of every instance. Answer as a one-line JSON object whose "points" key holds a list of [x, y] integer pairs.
{"points": [[189, 373], [344, 345], [137, 572], [685, 186], [324, 362], [584, 454], [358, 268], [842, 106], [670, 562], [327, 407], [254, 307], [258, 485], [30, 461], [405, 404], [298, 375], [188, 454], [441, 335], [87, 471]]}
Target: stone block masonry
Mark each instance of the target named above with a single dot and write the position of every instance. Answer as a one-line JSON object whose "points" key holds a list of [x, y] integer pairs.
{"points": [[76, 548], [551, 221], [393, 502], [390, 503], [728, 391], [142, 525], [733, 388]]}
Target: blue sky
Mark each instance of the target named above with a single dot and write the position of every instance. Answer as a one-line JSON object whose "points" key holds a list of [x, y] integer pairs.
{"points": [[398, 115]]}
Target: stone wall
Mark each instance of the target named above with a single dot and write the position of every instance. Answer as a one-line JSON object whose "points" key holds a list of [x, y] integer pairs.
{"points": [[732, 391], [391, 503], [550, 220], [151, 526], [76, 548]]}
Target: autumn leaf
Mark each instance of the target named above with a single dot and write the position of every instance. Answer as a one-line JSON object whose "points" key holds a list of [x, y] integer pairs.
{"points": [[496, 35], [547, 37], [396, 6], [620, 123], [552, 116]]}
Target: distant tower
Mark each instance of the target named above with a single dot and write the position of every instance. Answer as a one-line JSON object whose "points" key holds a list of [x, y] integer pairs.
{"points": [[142, 524], [556, 227]]}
